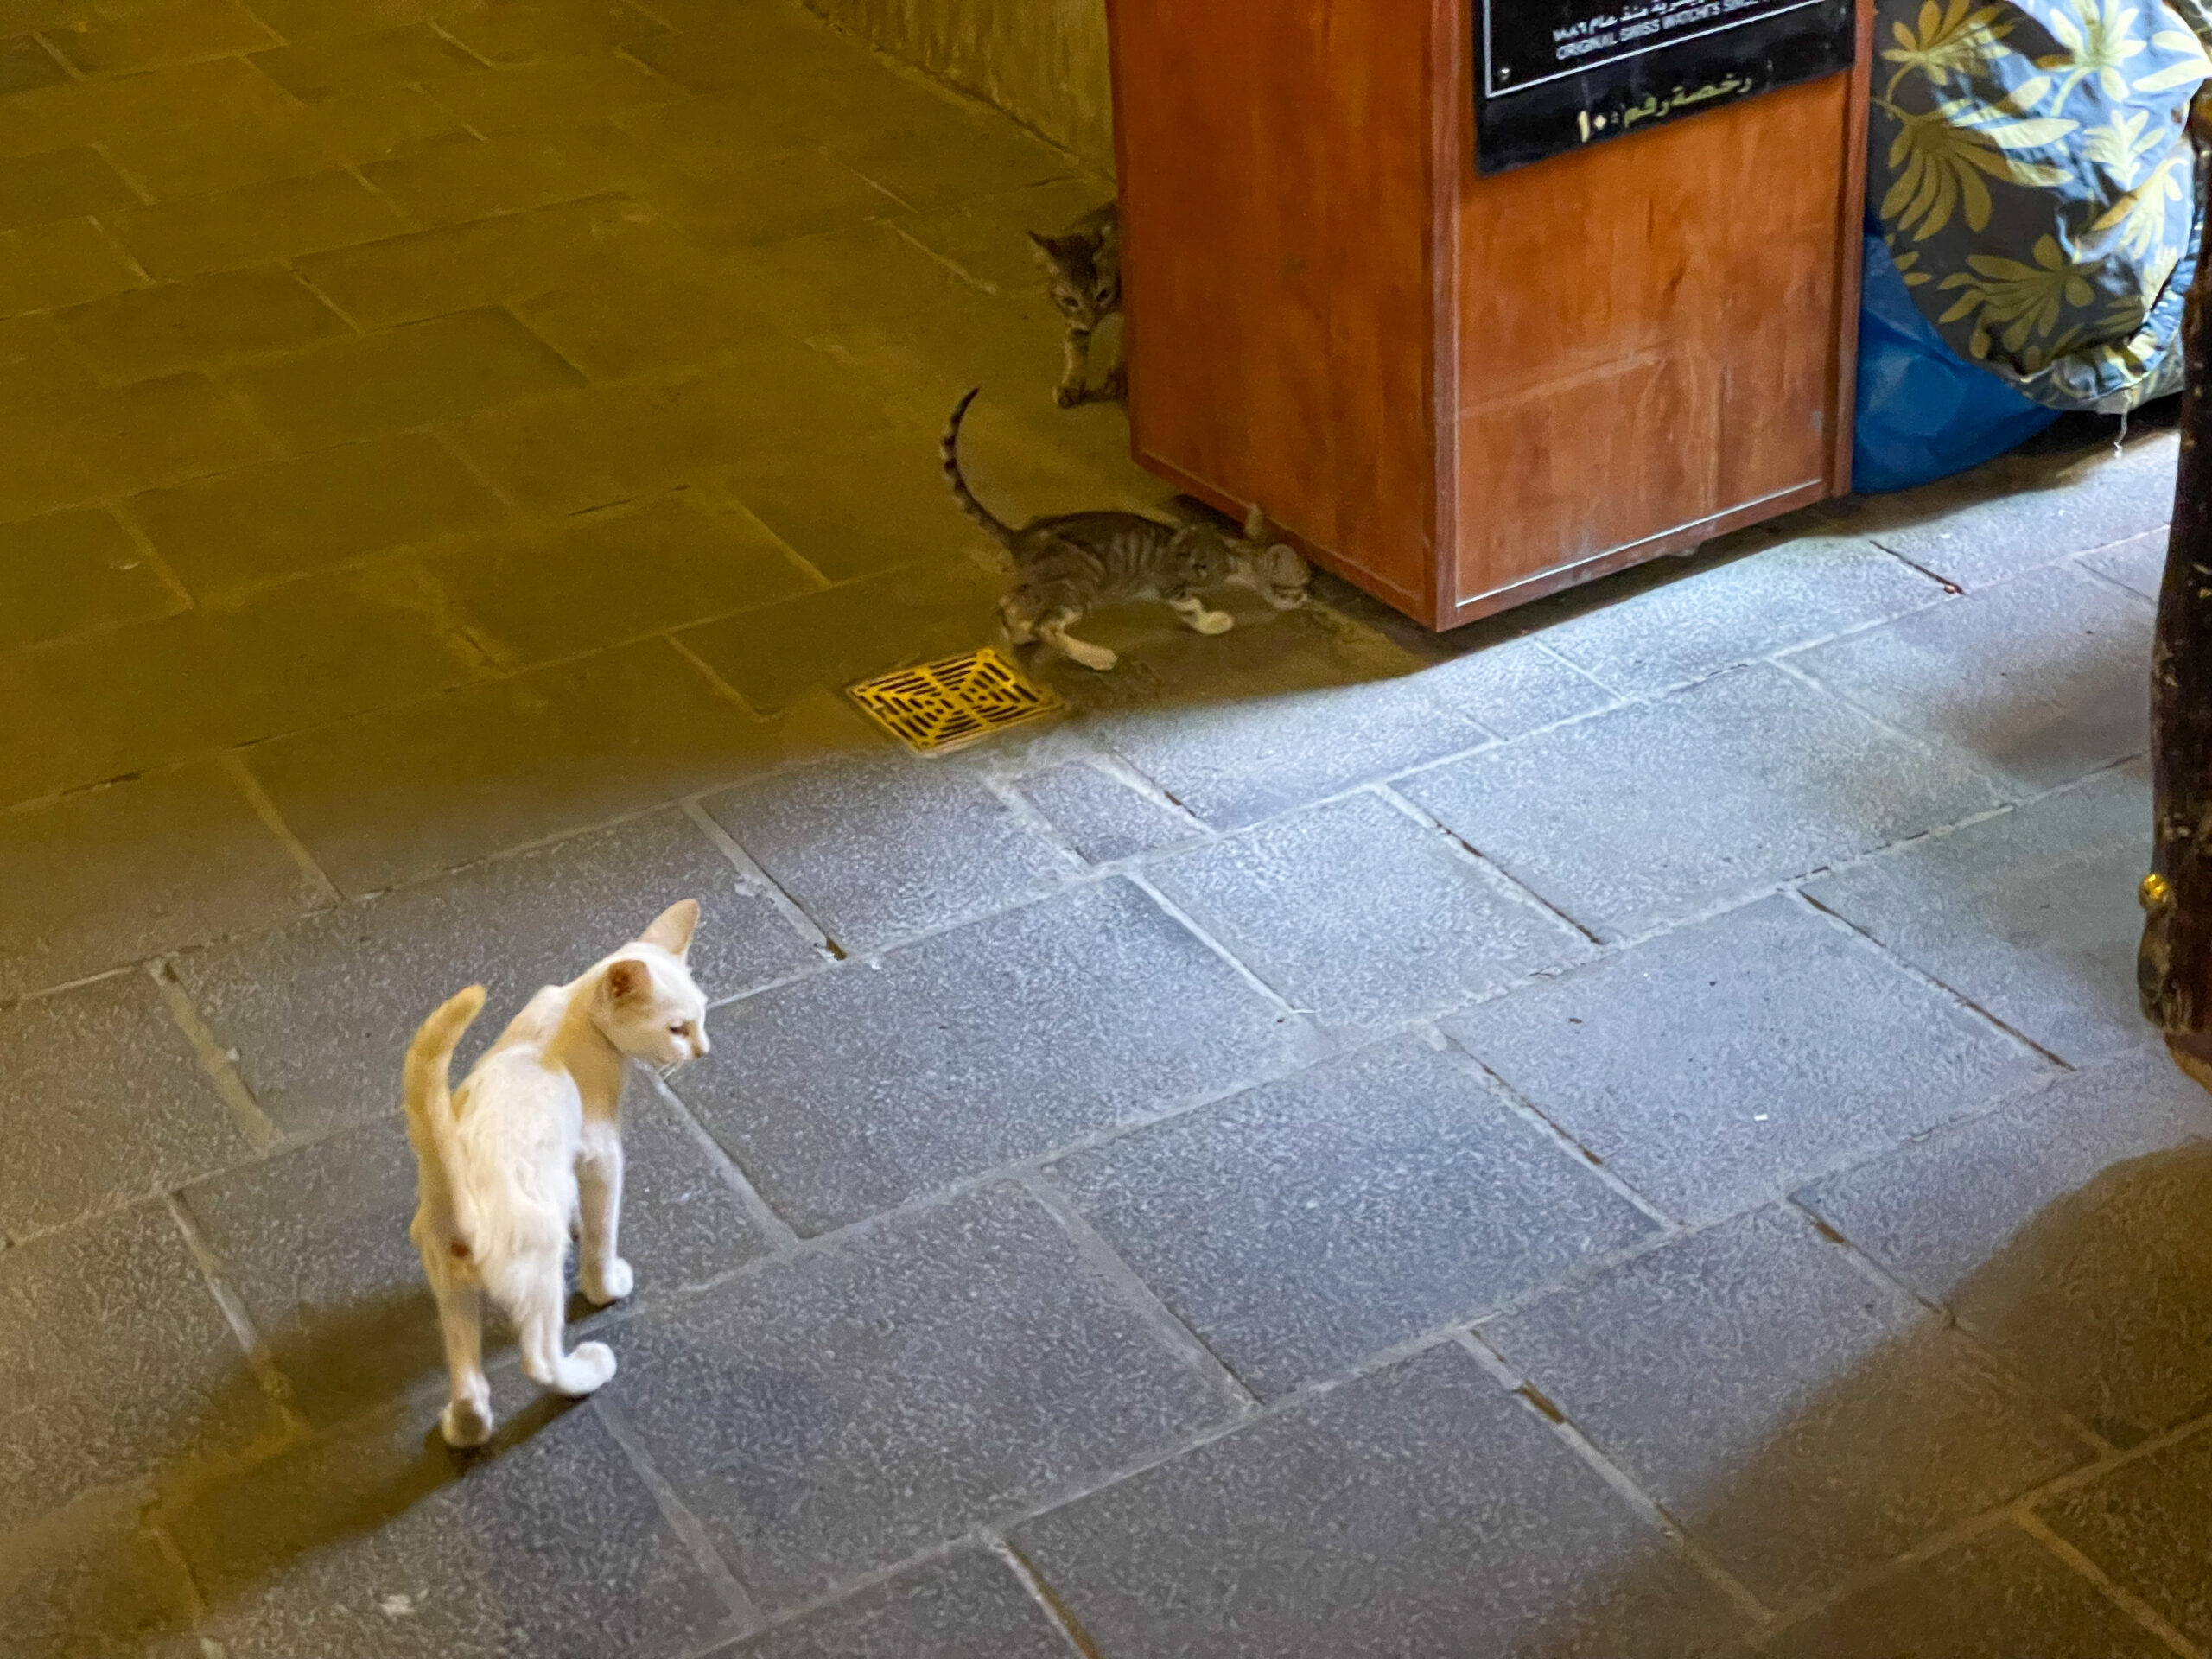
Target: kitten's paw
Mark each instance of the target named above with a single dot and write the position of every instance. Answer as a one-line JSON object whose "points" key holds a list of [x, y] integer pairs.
{"points": [[1067, 397], [1090, 656], [611, 1286], [1213, 621], [1116, 388], [464, 1423], [588, 1368]]}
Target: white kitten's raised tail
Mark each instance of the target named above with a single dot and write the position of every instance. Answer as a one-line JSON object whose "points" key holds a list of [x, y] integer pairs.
{"points": [[532, 1145]]}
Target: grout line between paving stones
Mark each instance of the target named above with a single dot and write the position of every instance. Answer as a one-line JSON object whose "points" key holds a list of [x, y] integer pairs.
{"points": [[780, 1234], [929, 252], [744, 1612], [245, 1109], [1867, 941], [2081, 562], [1041, 1591], [1521, 1107], [1167, 1324], [1647, 1508], [1496, 875], [760, 883], [1306, 1035], [2016, 1512], [255, 1347], [721, 687], [153, 561], [234, 767], [1867, 1266], [43, 992], [1943, 582], [2126, 1600], [2008, 789], [1007, 791]]}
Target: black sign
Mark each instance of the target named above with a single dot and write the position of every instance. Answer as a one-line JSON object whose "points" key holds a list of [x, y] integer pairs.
{"points": [[1555, 75]]}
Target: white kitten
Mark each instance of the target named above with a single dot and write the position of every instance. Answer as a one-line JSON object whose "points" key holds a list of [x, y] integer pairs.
{"points": [[530, 1146]]}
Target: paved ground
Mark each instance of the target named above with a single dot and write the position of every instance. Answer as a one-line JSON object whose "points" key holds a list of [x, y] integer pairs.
{"points": [[1623, 1135]]}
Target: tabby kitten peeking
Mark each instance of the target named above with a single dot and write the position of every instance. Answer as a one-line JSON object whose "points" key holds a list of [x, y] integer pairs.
{"points": [[1072, 564], [1085, 265]]}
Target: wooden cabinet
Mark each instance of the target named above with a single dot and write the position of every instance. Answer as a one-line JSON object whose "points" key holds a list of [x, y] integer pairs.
{"points": [[1462, 392]]}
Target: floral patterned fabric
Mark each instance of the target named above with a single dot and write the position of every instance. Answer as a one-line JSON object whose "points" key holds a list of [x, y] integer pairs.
{"points": [[2034, 177]]}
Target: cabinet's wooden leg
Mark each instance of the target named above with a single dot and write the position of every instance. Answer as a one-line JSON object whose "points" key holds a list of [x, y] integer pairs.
{"points": [[2174, 967]]}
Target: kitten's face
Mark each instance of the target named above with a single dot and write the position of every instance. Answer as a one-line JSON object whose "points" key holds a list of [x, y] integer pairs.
{"points": [[1084, 294], [649, 1006], [1276, 574]]}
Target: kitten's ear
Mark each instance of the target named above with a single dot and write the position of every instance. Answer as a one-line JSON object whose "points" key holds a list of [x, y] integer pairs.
{"points": [[1255, 525], [625, 979], [671, 929], [1046, 250]]}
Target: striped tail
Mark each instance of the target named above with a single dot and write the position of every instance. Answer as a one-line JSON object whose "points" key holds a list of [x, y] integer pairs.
{"points": [[431, 1125], [949, 449]]}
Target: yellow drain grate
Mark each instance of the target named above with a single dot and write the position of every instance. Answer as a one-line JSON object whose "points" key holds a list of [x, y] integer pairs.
{"points": [[943, 705]]}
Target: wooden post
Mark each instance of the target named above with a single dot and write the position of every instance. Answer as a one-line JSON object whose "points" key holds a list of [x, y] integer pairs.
{"points": [[2174, 966]]}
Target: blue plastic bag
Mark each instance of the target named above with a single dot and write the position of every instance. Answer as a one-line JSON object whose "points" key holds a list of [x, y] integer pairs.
{"points": [[1924, 411]]}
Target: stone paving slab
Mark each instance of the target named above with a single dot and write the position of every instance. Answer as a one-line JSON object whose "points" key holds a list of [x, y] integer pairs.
{"points": [[330, 645], [2027, 915], [1801, 1419], [2040, 677], [118, 1365], [2137, 564], [1780, 595], [226, 533], [314, 1242], [538, 594], [67, 572], [319, 1014], [508, 762], [119, 1105], [1658, 811], [2023, 511], [1364, 918], [832, 1414], [1389, 1516], [1513, 687], [2063, 1230], [878, 850], [2147, 1524], [97, 1586], [1105, 818], [1707, 1067], [60, 184], [870, 1084], [112, 876], [1309, 1224], [198, 322], [1235, 762], [968, 1605], [1997, 1596], [229, 150]]}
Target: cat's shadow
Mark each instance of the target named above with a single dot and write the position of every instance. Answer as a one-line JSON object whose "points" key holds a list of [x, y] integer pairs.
{"points": [[330, 1434]]}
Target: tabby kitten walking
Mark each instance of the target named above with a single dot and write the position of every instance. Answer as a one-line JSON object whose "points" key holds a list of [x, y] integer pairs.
{"points": [[1085, 265], [1072, 564]]}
